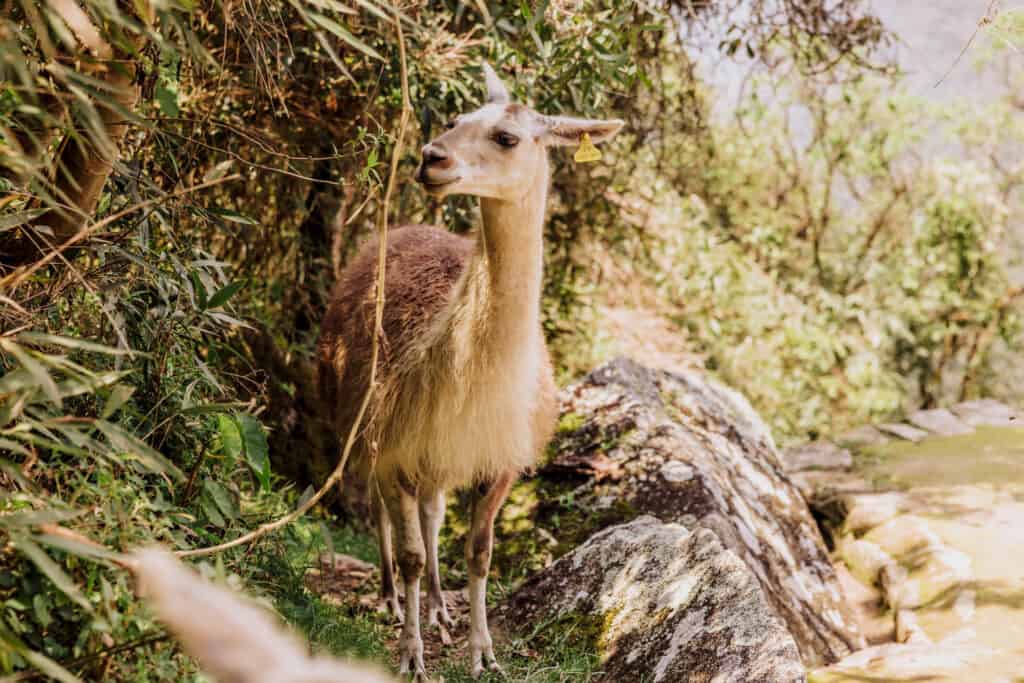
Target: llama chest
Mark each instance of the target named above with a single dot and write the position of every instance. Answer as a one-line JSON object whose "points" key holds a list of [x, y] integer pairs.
{"points": [[464, 423]]}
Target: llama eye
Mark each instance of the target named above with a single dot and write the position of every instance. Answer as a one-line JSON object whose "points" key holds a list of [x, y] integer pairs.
{"points": [[506, 139], [450, 125]]}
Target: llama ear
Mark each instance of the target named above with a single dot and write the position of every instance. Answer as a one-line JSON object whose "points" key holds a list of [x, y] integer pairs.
{"points": [[497, 93], [568, 130]]}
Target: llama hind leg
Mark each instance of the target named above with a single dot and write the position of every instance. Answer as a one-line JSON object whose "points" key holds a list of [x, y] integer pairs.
{"points": [[486, 503], [400, 498], [432, 509], [388, 589]]}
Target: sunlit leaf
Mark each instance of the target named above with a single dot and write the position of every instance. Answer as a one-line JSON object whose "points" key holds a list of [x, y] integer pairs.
{"points": [[148, 456], [257, 452]]}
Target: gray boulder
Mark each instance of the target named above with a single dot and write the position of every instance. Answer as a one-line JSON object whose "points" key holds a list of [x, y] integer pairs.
{"points": [[683, 448], [671, 604]]}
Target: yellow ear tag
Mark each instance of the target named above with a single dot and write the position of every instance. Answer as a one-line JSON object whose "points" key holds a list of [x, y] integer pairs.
{"points": [[587, 152]]}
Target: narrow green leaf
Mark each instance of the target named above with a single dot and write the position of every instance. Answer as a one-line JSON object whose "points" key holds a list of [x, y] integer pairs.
{"points": [[69, 545], [333, 5], [50, 667], [34, 368], [13, 220], [71, 343], [119, 395], [224, 294], [52, 570], [147, 455], [343, 33], [200, 289], [233, 216], [25, 518]]}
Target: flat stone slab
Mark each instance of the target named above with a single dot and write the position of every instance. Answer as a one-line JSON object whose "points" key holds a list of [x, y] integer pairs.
{"points": [[665, 604], [943, 541], [859, 437], [988, 412], [816, 455], [904, 431], [939, 421]]}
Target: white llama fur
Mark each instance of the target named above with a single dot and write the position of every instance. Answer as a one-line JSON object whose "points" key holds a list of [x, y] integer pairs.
{"points": [[234, 640]]}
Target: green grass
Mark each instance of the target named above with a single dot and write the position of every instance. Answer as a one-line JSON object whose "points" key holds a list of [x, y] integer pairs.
{"points": [[339, 630], [552, 653]]}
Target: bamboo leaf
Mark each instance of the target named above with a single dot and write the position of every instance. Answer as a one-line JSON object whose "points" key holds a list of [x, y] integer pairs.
{"points": [[148, 456], [13, 220], [52, 570], [72, 343], [28, 518], [343, 33], [222, 295], [257, 453], [34, 368], [119, 395], [50, 667], [79, 548]]}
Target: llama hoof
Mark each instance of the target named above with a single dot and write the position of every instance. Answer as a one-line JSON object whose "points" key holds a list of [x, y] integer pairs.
{"points": [[412, 669], [484, 660], [410, 658], [393, 607], [437, 617]]}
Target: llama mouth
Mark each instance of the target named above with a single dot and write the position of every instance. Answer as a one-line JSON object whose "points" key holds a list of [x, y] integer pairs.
{"points": [[435, 185]]}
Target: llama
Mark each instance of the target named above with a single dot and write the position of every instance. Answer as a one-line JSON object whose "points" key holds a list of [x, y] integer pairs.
{"points": [[234, 640], [466, 396]]}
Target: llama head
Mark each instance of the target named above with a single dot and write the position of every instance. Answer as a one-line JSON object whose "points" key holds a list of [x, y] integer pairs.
{"points": [[499, 151]]}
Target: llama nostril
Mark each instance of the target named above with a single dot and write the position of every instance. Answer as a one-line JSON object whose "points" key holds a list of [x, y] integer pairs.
{"points": [[435, 156], [432, 156]]}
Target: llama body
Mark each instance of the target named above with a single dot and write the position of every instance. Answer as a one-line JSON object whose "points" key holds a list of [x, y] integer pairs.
{"points": [[466, 396]]}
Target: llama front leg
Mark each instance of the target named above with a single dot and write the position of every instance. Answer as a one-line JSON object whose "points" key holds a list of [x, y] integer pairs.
{"points": [[486, 503], [388, 589], [400, 497], [432, 510]]}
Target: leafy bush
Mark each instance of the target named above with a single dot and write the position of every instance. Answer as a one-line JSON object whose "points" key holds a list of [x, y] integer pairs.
{"points": [[845, 279]]}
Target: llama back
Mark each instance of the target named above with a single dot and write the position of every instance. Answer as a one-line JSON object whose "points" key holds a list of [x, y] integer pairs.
{"points": [[423, 266]]}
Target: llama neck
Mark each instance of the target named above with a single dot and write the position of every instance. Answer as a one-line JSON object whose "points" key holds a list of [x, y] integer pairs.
{"points": [[510, 259]]}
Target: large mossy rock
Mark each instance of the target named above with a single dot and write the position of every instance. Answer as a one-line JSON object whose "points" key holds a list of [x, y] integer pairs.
{"points": [[666, 604], [683, 448]]}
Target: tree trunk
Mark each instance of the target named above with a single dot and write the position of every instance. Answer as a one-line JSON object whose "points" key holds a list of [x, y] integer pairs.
{"points": [[81, 166]]}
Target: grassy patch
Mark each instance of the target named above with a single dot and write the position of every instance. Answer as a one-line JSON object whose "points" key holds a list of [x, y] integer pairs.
{"points": [[342, 630], [555, 651]]}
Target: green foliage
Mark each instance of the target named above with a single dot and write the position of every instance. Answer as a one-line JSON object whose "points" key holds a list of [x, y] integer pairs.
{"points": [[842, 279]]}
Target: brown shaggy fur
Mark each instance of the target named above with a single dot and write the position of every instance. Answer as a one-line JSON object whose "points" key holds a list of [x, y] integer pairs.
{"points": [[424, 267], [423, 264]]}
